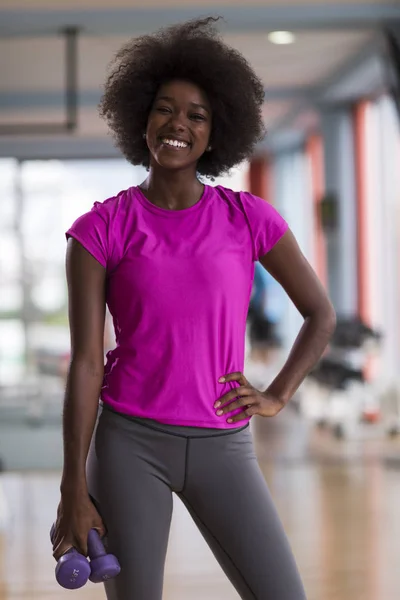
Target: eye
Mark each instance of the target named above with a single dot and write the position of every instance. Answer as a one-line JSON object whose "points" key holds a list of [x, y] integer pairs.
{"points": [[163, 110], [198, 117]]}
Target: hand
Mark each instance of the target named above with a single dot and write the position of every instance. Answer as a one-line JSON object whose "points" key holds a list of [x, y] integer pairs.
{"points": [[249, 399], [76, 516]]}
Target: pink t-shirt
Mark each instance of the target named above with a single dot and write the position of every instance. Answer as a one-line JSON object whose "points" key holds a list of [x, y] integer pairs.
{"points": [[178, 289]]}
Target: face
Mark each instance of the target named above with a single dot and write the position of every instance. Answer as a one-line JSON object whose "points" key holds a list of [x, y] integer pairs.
{"points": [[179, 126]]}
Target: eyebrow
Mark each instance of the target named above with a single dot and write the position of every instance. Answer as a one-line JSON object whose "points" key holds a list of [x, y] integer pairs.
{"points": [[194, 104]]}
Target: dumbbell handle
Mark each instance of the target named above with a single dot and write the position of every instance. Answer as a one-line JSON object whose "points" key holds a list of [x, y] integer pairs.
{"points": [[95, 545]]}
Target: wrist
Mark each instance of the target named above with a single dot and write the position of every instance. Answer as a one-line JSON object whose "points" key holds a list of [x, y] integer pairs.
{"points": [[73, 485], [279, 396]]}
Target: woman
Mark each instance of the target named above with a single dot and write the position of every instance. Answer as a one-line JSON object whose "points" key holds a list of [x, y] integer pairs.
{"points": [[174, 260]]}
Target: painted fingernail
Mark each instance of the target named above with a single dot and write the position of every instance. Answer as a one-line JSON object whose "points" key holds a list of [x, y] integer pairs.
{"points": [[219, 412], [217, 404], [229, 420], [221, 379]]}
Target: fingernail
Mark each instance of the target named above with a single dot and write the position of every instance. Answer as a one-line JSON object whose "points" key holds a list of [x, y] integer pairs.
{"points": [[229, 420], [221, 379], [219, 412], [217, 404]]}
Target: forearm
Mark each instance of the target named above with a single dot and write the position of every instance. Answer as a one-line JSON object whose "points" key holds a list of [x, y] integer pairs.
{"points": [[79, 418], [307, 349]]}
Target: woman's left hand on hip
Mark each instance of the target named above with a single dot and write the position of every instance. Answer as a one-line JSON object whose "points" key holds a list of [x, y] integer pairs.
{"points": [[248, 398]]}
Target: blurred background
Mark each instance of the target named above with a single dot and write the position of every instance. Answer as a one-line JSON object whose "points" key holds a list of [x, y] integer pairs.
{"points": [[330, 164]]}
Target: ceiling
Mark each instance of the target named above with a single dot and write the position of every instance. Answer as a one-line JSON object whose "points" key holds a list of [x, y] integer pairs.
{"points": [[314, 56], [334, 58], [82, 4]]}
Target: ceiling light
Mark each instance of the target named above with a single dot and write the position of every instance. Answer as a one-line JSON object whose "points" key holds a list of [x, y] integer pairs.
{"points": [[281, 37]]}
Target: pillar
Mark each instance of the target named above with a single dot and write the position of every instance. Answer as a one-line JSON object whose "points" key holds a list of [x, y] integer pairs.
{"points": [[340, 182], [315, 158], [259, 178]]}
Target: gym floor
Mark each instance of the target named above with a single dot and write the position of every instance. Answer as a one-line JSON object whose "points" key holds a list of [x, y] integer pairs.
{"points": [[338, 502]]}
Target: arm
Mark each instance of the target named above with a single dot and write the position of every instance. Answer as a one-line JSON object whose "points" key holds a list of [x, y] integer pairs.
{"points": [[286, 263], [86, 300]]}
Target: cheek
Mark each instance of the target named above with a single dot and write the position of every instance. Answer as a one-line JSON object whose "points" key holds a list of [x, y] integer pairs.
{"points": [[149, 130], [204, 135], [151, 136], [154, 122]]}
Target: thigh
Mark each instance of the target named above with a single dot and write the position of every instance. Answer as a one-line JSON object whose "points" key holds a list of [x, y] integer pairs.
{"points": [[136, 505], [229, 500]]}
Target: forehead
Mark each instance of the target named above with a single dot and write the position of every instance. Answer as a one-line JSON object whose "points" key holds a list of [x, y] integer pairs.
{"points": [[183, 91]]}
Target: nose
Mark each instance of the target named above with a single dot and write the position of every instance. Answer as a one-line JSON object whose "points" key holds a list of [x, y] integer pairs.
{"points": [[177, 123]]}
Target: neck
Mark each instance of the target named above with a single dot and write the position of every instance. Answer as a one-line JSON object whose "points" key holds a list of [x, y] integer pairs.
{"points": [[174, 190]]}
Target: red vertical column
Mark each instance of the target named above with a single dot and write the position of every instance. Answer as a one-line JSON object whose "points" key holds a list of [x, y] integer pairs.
{"points": [[315, 154], [260, 178], [365, 307], [360, 135]]}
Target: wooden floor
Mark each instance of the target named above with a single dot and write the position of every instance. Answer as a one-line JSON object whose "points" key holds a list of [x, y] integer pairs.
{"points": [[339, 502]]}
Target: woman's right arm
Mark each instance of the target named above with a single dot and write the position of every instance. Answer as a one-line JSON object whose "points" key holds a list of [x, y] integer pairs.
{"points": [[86, 279]]}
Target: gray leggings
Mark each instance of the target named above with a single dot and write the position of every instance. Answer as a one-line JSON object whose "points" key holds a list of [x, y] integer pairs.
{"points": [[133, 468]]}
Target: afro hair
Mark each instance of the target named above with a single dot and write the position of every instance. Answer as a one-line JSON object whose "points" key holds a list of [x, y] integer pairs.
{"points": [[193, 52]]}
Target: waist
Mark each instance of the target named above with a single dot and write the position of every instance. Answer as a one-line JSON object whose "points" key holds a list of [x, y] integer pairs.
{"points": [[184, 394], [178, 430]]}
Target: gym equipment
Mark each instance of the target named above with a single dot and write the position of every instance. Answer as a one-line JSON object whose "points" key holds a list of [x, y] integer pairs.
{"points": [[103, 566], [73, 569], [336, 393]]}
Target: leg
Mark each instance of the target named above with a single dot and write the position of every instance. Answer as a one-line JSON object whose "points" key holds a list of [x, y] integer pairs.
{"points": [[136, 505], [228, 499]]}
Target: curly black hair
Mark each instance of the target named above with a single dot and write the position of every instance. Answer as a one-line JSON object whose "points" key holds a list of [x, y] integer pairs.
{"points": [[193, 52]]}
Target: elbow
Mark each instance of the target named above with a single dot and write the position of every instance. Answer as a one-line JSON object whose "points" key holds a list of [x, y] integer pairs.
{"points": [[326, 316], [91, 365]]}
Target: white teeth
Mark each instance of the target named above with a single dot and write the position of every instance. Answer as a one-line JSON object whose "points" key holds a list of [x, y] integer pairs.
{"points": [[174, 143]]}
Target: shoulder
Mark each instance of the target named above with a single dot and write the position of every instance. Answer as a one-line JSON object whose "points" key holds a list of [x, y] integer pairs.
{"points": [[101, 230], [253, 206], [226, 194], [264, 222], [239, 197], [113, 207]]}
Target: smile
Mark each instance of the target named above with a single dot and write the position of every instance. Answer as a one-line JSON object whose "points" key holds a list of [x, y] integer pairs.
{"points": [[171, 143]]}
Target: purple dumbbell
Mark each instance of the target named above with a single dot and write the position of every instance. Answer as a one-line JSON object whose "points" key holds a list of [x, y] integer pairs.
{"points": [[103, 566], [73, 569]]}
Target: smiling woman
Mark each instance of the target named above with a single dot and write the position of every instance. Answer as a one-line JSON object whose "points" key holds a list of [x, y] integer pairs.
{"points": [[173, 259], [226, 86], [179, 125]]}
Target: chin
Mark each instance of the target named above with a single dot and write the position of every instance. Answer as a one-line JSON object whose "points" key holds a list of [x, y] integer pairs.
{"points": [[175, 161], [174, 165]]}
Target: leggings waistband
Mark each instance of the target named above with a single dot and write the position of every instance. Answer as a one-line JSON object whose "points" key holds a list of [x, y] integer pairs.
{"points": [[178, 430]]}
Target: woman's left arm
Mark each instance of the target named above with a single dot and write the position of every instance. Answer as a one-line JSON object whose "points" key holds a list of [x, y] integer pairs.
{"points": [[289, 267], [287, 264]]}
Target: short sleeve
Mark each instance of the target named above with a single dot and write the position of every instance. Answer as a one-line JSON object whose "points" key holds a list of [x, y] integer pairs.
{"points": [[92, 231], [266, 224]]}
